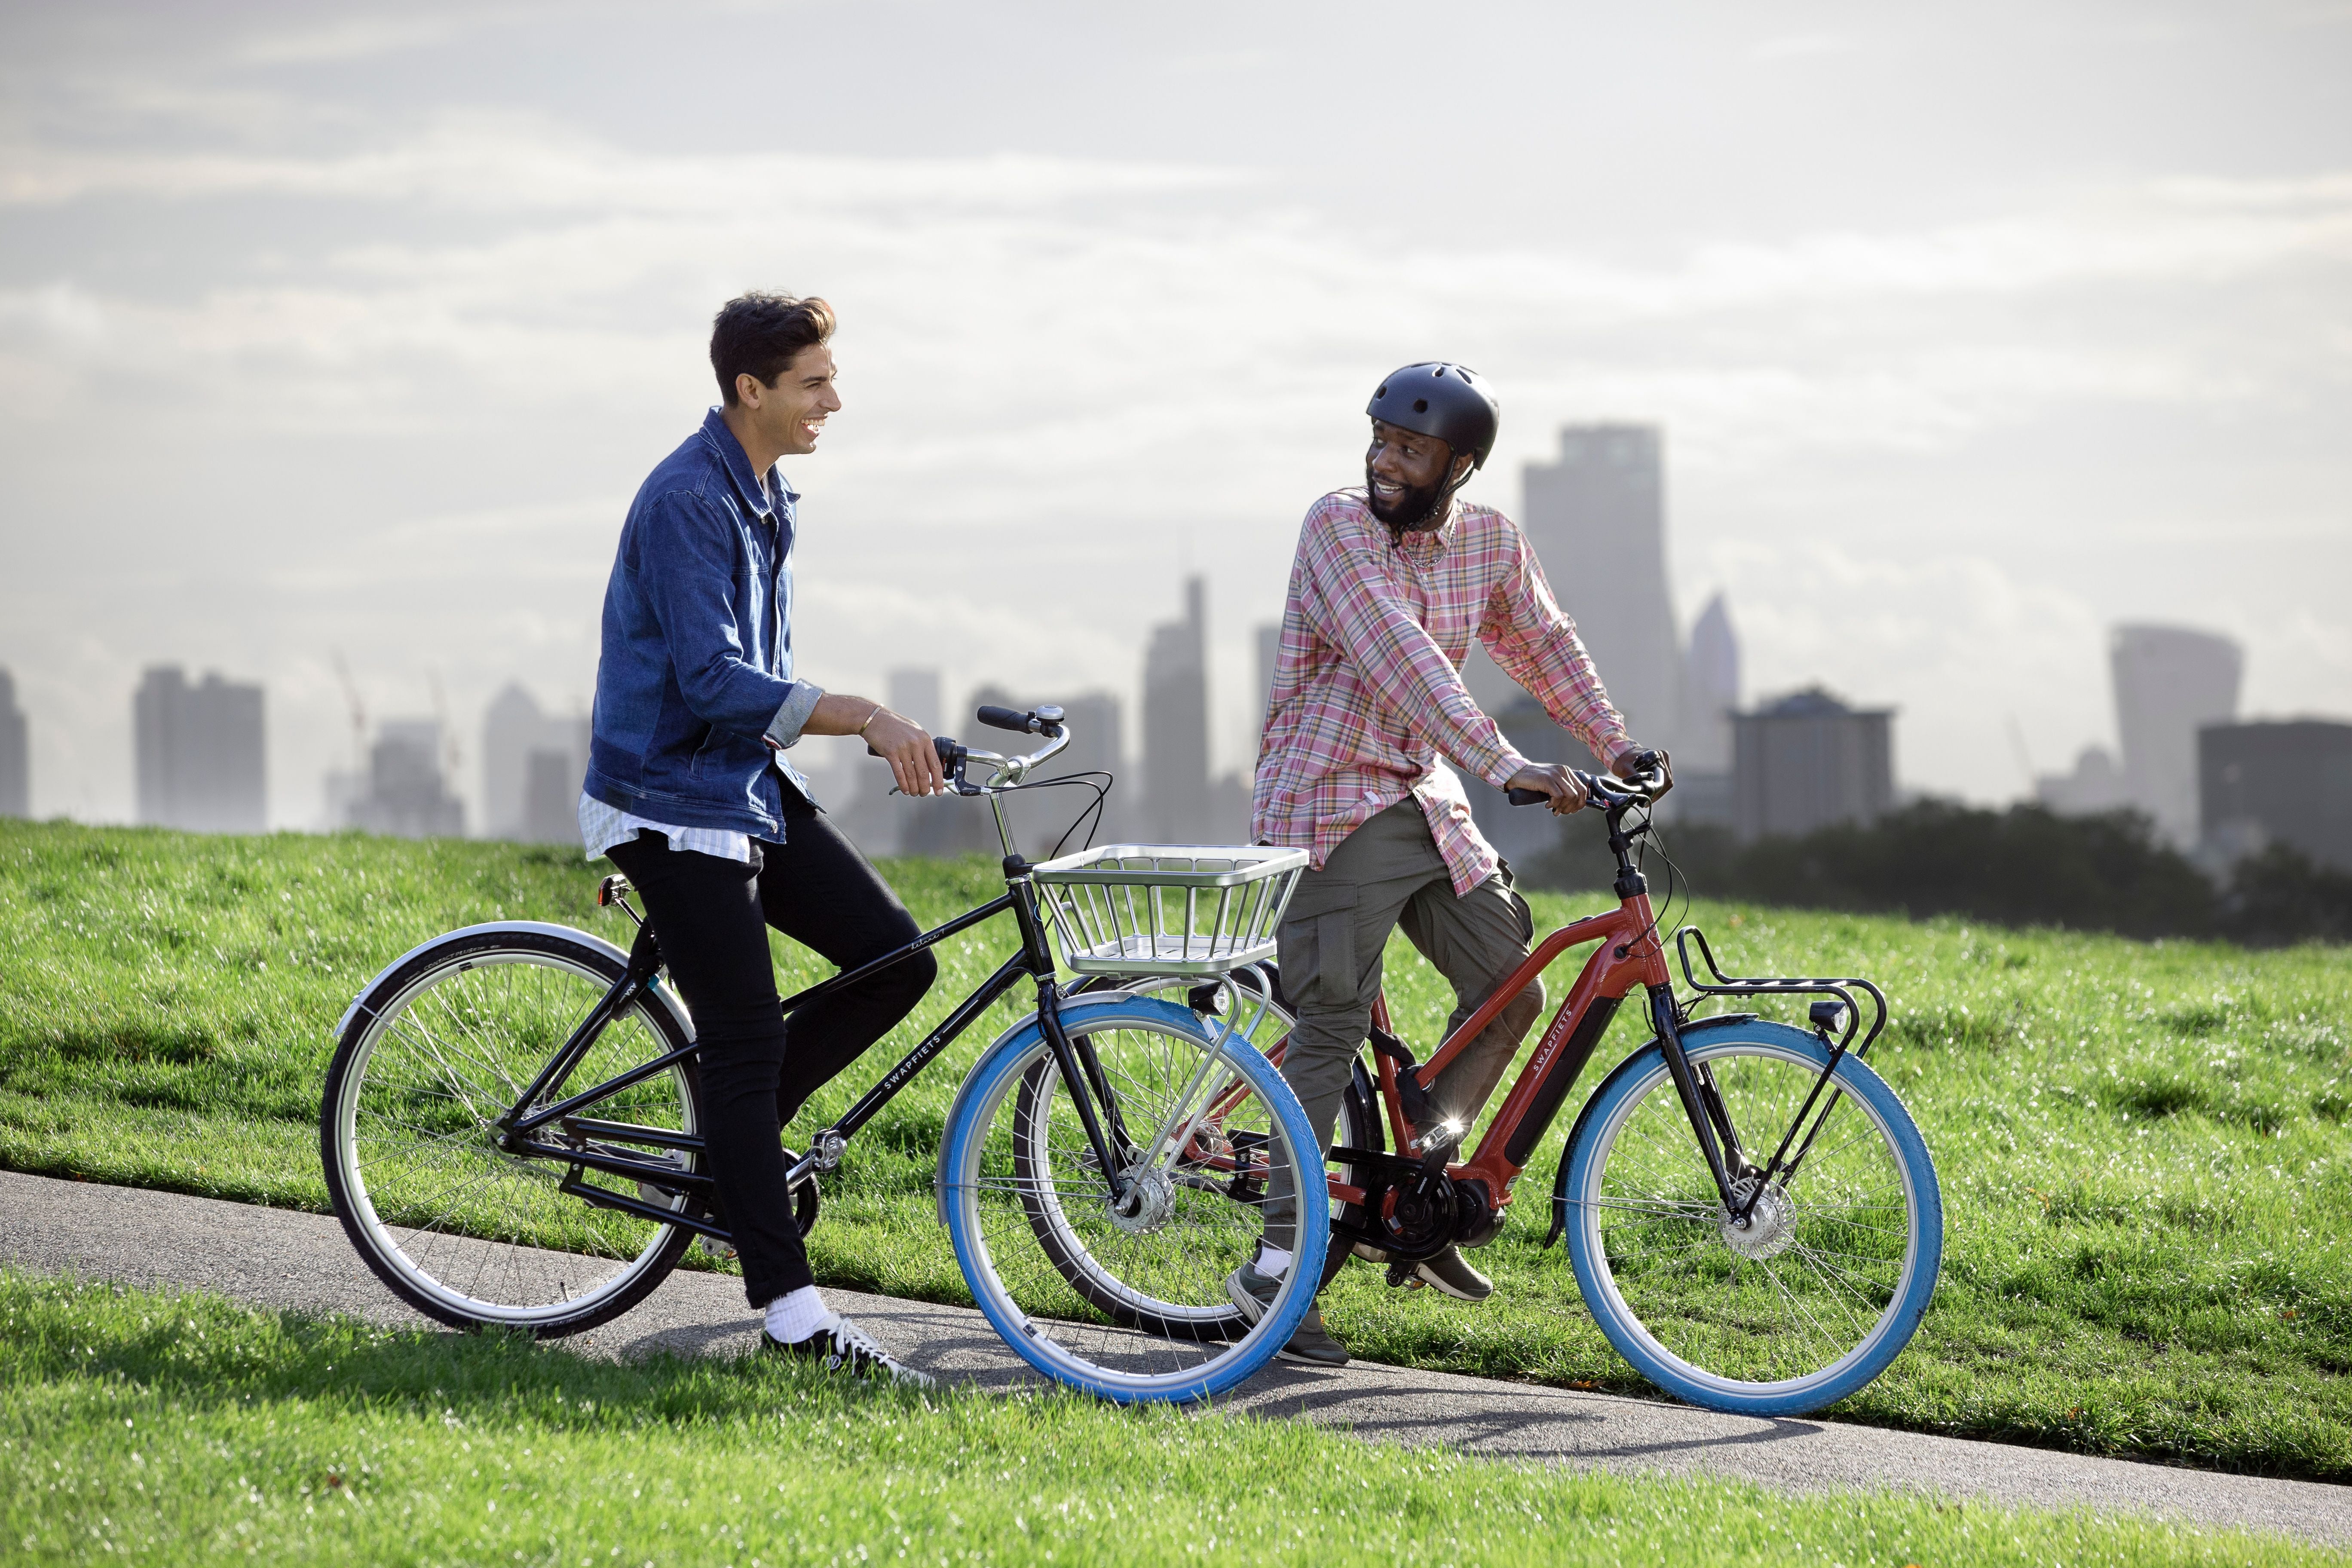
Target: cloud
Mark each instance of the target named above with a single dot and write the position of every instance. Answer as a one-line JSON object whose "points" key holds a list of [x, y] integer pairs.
{"points": [[355, 38], [1071, 378], [1102, 263], [481, 161], [1804, 46]]}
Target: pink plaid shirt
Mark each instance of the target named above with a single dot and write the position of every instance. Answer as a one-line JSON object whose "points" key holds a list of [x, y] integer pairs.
{"points": [[1367, 688]]}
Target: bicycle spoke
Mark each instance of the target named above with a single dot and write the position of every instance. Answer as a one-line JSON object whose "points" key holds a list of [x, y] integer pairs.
{"points": [[1797, 1290], [1138, 1292], [467, 1221]]}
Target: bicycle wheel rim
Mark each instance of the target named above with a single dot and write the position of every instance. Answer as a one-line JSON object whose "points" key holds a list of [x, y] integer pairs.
{"points": [[1031, 1302], [1650, 1241], [490, 1240]]}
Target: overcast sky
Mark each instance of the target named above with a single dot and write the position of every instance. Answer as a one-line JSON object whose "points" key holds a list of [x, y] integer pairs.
{"points": [[1973, 328]]}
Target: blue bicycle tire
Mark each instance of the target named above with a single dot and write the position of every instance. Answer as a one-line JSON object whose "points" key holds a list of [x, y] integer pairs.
{"points": [[1641, 1088], [1220, 1364]]}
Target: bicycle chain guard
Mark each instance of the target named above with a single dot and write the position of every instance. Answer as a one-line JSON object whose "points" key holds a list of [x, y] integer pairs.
{"points": [[1410, 1212]]}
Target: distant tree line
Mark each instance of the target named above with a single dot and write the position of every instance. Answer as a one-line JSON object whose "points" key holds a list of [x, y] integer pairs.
{"points": [[2022, 866]]}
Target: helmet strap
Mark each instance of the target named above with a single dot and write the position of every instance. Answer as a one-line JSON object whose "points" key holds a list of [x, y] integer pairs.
{"points": [[1432, 520]]}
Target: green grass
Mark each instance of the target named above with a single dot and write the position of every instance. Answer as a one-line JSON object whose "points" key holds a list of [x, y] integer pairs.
{"points": [[2146, 1173], [181, 1428]]}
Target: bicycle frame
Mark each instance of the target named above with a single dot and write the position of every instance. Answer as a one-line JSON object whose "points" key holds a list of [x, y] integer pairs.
{"points": [[521, 1126], [1630, 956]]}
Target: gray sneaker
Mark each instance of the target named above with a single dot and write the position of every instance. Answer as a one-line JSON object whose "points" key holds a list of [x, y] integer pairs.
{"points": [[1311, 1343], [1450, 1272]]}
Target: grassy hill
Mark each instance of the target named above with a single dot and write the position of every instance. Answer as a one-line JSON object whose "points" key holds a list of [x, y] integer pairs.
{"points": [[2145, 1165]]}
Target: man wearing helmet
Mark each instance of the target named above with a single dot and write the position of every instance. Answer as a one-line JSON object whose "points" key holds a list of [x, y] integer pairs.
{"points": [[1389, 584]]}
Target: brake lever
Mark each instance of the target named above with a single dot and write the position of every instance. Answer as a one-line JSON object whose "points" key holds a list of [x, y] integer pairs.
{"points": [[953, 755]]}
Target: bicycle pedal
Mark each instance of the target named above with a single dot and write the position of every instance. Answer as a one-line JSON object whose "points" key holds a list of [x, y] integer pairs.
{"points": [[1401, 1276]]}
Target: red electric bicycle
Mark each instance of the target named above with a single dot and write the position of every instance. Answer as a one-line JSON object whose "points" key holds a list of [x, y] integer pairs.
{"points": [[1752, 1215]]}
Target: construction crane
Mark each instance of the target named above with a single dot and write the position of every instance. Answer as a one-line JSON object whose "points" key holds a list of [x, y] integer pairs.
{"points": [[358, 711]]}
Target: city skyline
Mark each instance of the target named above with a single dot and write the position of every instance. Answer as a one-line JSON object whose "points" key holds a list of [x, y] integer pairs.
{"points": [[2167, 684], [1972, 330]]}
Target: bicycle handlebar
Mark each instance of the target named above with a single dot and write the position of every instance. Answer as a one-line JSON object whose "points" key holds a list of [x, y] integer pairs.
{"points": [[1045, 720], [1009, 770], [1607, 789]]}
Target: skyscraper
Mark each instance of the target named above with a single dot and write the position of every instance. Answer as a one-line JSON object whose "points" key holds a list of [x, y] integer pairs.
{"points": [[527, 756], [1702, 744], [1808, 761], [1704, 740], [2284, 781], [199, 753], [15, 753], [1176, 800], [2095, 786], [2169, 682], [1596, 521], [510, 729], [405, 793], [914, 694], [552, 775]]}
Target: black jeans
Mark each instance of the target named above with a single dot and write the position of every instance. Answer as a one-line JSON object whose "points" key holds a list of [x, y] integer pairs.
{"points": [[711, 916]]}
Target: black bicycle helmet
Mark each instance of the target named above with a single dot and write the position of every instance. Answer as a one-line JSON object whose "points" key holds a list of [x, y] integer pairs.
{"points": [[1439, 398]]}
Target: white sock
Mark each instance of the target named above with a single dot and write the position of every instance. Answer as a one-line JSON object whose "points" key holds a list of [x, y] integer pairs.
{"points": [[1271, 1260], [794, 1317]]}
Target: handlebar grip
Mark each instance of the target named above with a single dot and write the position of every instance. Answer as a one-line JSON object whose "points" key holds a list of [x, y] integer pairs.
{"points": [[1011, 719], [1597, 786]]}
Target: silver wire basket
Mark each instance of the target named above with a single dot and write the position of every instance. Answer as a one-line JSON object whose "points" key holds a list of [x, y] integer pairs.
{"points": [[1167, 908]]}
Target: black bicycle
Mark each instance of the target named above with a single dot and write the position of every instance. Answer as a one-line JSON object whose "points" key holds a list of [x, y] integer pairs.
{"points": [[512, 1125]]}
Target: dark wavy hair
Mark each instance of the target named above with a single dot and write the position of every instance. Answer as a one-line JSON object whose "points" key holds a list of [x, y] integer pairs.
{"points": [[758, 333]]}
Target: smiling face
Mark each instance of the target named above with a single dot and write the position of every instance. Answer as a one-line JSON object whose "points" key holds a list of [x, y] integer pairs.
{"points": [[1404, 472], [788, 417]]}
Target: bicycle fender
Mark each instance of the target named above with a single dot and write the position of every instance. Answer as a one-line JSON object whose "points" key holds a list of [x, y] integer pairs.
{"points": [[511, 928], [1576, 1133], [1027, 1031]]}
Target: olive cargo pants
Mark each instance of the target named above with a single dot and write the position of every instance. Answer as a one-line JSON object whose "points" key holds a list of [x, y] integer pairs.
{"points": [[1385, 876]]}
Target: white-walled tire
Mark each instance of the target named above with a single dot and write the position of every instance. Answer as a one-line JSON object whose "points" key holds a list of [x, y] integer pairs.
{"points": [[433, 1052]]}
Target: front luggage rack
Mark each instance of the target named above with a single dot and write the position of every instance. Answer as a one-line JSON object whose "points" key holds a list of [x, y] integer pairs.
{"points": [[1840, 987], [1168, 909]]}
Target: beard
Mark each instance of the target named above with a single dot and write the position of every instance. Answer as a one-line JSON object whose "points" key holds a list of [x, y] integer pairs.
{"points": [[1415, 511]]}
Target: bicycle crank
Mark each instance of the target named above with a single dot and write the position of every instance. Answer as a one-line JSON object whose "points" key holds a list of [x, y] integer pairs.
{"points": [[1416, 1217]]}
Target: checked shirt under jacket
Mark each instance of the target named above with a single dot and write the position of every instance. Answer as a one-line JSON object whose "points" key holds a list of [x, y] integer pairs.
{"points": [[1368, 692]]}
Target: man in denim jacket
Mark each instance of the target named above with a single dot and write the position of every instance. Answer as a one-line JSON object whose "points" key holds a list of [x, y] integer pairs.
{"points": [[689, 793]]}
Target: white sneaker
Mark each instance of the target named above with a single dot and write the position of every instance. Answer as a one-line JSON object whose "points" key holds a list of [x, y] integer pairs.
{"points": [[843, 1346]]}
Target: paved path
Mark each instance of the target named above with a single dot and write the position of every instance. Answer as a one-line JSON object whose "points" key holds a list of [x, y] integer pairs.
{"points": [[278, 1259]]}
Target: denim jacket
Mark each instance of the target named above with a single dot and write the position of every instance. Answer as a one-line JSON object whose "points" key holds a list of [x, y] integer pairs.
{"points": [[694, 678]]}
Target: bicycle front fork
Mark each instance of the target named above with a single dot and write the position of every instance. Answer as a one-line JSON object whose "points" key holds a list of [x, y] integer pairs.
{"points": [[1702, 1103], [1082, 1075]]}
